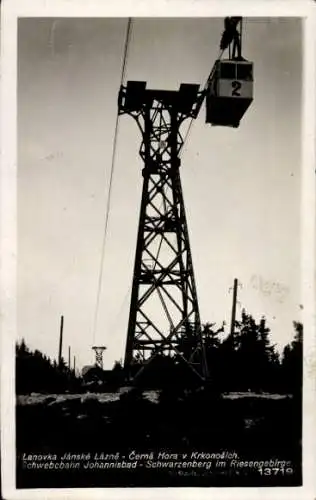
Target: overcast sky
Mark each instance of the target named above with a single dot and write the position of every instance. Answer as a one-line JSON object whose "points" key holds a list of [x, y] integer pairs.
{"points": [[241, 186]]}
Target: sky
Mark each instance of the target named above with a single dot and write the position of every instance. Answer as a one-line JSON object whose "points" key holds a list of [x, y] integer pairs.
{"points": [[241, 186]]}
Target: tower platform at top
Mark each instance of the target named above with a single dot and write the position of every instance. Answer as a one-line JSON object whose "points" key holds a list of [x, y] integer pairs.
{"points": [[135, 96]]}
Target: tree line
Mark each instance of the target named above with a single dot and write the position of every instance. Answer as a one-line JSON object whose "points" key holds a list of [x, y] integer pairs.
{"points": [[245, 360], [36, 372]]}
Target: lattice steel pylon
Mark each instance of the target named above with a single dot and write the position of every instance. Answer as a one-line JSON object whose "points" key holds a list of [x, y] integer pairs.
{"points": [[164, 314]]}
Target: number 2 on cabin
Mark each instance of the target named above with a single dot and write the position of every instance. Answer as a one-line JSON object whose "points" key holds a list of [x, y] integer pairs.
{"points": [[236, 88]]}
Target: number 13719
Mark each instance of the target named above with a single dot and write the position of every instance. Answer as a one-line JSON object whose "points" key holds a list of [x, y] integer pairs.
{"points": [[274, 471]]}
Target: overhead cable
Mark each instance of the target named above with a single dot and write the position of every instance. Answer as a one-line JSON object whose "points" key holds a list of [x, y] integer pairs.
{"points": [[109, 193]]}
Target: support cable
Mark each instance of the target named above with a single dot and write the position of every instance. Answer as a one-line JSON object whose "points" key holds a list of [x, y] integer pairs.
{"points": [[186, 137], [108, 204]]}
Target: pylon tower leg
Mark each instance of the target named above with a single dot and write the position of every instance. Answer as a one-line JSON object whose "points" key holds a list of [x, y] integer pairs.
{"points": [[164, 313]]}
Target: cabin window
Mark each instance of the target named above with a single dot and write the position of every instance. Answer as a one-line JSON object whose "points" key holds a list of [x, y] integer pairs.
{"points": [[228, 71], [244, 72]]}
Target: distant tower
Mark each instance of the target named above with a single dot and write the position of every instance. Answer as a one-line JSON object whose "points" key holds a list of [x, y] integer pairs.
{"points": [[99, 350]]}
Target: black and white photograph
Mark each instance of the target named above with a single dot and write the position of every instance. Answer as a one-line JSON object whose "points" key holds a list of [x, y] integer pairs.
{"points": [[159, 329]]}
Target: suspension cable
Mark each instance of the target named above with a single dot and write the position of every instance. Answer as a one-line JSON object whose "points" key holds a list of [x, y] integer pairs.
{"points": [[108, 203], [186, 137]]}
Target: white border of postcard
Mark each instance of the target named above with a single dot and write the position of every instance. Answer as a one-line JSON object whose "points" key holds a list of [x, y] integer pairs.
{"points": [[11, 10]]}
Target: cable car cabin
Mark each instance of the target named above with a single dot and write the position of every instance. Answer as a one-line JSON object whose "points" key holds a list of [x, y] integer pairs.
{"points": [[230, 92]]}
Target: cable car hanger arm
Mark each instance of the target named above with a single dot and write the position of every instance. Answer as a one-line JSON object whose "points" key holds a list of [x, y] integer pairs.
{"points": [[231, 39]]}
